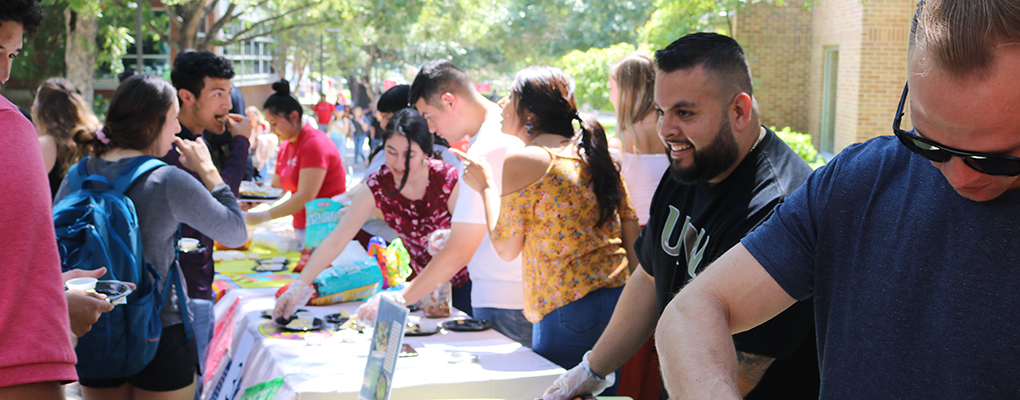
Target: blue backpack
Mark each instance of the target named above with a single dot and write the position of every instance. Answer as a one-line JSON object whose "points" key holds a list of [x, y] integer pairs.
{"points": [[97, 226]]}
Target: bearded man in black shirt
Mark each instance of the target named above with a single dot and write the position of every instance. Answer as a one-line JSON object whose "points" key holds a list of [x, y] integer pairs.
{"points": [[727, 173]]}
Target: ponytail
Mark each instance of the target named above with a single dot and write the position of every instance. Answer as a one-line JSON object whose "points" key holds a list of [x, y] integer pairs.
{"points": [[88, 143], [548, 94], [605, 177]]}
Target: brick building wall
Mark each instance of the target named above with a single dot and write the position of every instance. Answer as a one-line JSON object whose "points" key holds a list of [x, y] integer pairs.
{"points": [[884, 39], [836, 23], [777, 41], [788, 62]]}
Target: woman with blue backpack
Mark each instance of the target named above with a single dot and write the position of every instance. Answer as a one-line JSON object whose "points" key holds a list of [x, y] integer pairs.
{"points": [[142, 124]]}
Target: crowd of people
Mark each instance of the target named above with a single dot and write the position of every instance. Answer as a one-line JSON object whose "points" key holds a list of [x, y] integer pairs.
{"points": [[883, 274]]}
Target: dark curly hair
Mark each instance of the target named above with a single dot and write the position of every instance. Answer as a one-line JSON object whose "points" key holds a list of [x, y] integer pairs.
{"points": [[26, 12], [191, 67]]}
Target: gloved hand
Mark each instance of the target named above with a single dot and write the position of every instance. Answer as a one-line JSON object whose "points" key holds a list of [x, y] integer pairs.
{"points": [[296, 295], [366, 312], [343, 198], [255, 218], [437, 240], [577, 381]]}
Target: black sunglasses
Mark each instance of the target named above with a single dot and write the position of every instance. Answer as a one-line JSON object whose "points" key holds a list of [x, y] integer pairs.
{"points": [[989, 164]]}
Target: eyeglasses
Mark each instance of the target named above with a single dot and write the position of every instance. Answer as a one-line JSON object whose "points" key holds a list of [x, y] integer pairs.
{"points": [[989, 164]]}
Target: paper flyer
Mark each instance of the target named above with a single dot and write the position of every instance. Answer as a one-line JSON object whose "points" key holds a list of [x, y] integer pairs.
{"points": [[382, 356]]}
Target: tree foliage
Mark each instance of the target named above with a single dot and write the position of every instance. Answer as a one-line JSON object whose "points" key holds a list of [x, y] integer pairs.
{"points": [[42, 55], [542, 31], [590, 70], [235, 20], [801, 144], [675, 18]]}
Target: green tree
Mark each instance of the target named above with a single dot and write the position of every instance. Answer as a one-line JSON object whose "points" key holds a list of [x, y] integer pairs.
{"points": [[675, 18], [590, 70], [542, 31], [254, 18], [42, 56], [491, 38], [93, 36]]}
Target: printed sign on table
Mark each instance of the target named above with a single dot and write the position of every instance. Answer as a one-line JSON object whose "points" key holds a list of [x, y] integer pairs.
{"points": [[382, 357], [229, 384]]}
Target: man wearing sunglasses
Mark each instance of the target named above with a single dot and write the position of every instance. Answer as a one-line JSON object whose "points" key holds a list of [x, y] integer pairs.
{"points": [[908, 245]]}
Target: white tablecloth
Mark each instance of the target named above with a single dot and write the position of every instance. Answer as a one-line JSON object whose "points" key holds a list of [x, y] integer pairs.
{"points": [[335, 369]]}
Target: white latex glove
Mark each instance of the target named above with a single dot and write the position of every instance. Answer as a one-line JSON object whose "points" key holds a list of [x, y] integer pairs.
{"points": [[296, 295], [579, 380], [366, 312], [255, 218], [437, 240], [343, 198]]}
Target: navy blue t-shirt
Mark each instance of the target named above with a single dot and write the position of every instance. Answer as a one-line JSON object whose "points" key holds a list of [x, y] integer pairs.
{"points": [[914, 286]]}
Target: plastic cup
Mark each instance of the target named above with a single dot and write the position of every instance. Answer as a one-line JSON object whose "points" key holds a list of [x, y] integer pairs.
{"points": [[83, 284], [314, 338], [187, 244], [427, 326]]}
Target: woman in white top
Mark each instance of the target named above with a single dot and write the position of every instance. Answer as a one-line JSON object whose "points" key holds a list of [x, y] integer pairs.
{"points": [[643, 162], [637, 145]]}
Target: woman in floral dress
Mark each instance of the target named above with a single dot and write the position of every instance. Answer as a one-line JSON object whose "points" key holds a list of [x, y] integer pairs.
{"points": [[415, 194]]}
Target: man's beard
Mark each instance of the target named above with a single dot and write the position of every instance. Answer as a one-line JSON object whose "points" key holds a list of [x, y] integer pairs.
{"points": [[710, 161]]}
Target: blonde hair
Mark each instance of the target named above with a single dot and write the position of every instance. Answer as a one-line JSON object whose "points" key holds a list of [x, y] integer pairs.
{"points": [[61, 112], [962, 35], [635, 84], [253, 109]]}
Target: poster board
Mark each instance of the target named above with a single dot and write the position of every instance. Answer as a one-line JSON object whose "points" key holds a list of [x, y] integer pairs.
{"points": [[382, 356]]}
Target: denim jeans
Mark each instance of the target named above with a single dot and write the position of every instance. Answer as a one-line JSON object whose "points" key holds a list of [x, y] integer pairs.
{"points": [[340, 141], [511, 323], [462, 299], [564, 335], [359, 147], [204, 327]]}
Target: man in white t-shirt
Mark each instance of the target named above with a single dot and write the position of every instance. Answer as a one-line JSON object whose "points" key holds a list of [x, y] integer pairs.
{"points": [[454, 109]]}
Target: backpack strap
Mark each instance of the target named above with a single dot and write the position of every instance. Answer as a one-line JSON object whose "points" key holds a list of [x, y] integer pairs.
{"points": [[136, 169], [77, 174], [182, 304], [175, 278]]}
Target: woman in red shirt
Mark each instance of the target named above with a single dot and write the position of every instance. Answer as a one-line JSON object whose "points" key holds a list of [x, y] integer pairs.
{"points": [[308, 165], [414, 192]]}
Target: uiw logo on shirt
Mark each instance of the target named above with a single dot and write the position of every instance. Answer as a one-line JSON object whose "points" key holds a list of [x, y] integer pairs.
{"points": [[292, 162], [694, 242]]}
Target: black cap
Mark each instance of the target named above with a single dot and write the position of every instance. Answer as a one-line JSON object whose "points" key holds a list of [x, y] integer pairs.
{"points": [[394, 99]]}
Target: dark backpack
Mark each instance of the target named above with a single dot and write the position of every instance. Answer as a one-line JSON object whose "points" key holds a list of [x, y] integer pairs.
{"points": [[97, 226]]}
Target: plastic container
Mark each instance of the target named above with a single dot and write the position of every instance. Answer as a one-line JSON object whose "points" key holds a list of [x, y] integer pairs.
{"points": [[276, 241], [314, 338], [188, 244], [83, 284], [439, 303]]}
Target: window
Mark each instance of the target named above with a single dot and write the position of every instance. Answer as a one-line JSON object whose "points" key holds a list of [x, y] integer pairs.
{"points": [[251, 59], [829, 85], [154, 56]]}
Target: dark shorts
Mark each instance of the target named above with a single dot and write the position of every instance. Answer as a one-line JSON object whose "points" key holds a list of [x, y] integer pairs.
{"points": [[173, 367]]}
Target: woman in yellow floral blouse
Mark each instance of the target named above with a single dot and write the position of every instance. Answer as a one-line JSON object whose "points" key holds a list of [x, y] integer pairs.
{"points": [[565, 206]]}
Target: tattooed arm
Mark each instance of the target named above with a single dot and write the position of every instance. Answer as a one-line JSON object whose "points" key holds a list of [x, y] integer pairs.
{"points": [[750, 369]]}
